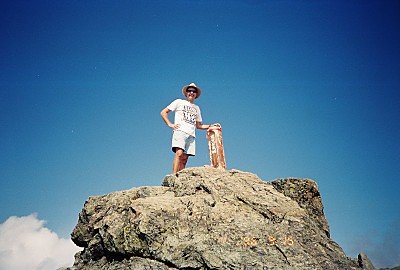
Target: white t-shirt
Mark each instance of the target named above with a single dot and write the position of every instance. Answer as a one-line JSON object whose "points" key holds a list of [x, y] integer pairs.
{"points": [[186, 115]]}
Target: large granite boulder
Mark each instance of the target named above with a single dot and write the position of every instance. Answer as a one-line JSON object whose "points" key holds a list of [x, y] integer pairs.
{"points": [[206, 218]]}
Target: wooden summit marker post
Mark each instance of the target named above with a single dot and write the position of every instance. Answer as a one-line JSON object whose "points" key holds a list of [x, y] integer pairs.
{"points": [[216, 146]]}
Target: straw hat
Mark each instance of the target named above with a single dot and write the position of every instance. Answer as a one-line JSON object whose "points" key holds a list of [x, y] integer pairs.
{"points": [[193, 86]]}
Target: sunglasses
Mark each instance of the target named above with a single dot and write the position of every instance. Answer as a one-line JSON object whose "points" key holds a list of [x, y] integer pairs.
{"points": [[191, 91]]}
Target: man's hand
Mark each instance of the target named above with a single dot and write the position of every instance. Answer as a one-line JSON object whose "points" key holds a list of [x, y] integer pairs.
{"points": [[215, 126], [174, 126]]}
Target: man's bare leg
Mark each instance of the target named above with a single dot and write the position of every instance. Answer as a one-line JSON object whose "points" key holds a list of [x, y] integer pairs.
{"points": [[180, 161], [183, 161]]}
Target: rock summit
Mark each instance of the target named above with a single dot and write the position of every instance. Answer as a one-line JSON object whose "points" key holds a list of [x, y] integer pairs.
{"points": [[207, 218]]}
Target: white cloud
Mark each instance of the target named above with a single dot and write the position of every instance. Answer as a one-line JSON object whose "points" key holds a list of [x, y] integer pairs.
{"points": [[26, 244]]}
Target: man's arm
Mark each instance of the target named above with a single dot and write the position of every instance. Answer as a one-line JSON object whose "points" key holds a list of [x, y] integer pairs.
{"points": [[200, 125], [164, 115]]}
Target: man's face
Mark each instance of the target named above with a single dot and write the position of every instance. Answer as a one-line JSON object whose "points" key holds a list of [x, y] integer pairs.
{"points": [[191, 93]]}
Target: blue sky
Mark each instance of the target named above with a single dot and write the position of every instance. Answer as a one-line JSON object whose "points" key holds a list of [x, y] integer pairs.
{"points": [[302, 89]]}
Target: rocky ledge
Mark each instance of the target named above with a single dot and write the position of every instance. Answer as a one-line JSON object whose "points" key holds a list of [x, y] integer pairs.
{"points": [[205, 218]]}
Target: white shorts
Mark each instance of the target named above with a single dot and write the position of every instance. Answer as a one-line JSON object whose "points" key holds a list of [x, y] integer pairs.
{"points": [[184, 141]]}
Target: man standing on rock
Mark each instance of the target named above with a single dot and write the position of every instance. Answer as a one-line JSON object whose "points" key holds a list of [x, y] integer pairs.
{"points": [[187, 119]]}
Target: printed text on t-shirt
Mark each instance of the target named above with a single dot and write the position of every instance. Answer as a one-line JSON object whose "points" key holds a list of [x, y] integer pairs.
{"points": [[189, 114]]}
